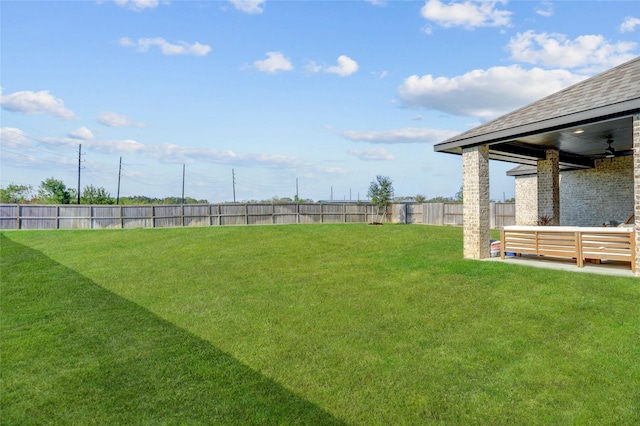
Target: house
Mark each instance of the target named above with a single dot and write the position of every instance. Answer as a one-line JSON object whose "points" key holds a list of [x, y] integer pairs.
{"points": [[587, 136]]}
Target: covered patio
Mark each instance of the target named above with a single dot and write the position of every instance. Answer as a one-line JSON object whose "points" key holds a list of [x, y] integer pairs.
{"points": [[589, 133]]}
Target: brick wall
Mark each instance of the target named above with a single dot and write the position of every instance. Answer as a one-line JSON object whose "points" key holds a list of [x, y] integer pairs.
{"points": [[527, 200], [595, 196], [587, 197]]}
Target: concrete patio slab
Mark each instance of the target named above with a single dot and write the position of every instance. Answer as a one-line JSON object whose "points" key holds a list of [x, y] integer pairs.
{"points": [[611, 268]]}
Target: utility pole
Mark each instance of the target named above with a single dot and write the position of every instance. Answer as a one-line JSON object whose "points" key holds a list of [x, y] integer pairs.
{"points": [[79, 161], [183, 168], [297, 197], [119, 174], [331, 194], [233, 178]]}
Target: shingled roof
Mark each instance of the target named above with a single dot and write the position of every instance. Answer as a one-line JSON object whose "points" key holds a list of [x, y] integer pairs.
{"points": [[610, 95]]}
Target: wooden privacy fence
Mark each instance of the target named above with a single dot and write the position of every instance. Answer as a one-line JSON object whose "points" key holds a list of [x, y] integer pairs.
{"points": [[69, 216], [502, 214], [29, 216]]}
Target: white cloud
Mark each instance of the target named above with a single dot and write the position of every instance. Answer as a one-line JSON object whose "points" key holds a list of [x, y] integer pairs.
{"points": [[34, 103], [310, 169], [165, 153], [377, 2], [12, 137], [137, 5], [82, 133], [112, 119], [127, 42], [122, 146], [545, 9], [249, 6], [181, 48], [591, 53], [172, 153], [468, 14], [270, 160], [484, 94], [346, 66], [275, 62], [629, 25], [313, 67], [22, 157], [372, 154], [407, 135]]}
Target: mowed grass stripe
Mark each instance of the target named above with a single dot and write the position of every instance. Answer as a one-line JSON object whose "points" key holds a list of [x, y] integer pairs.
{"points": [[75, 353], [382, 325]]}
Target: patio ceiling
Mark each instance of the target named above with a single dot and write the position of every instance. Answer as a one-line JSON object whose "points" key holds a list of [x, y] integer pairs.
{"points": [[576, 121], [577, 150]]}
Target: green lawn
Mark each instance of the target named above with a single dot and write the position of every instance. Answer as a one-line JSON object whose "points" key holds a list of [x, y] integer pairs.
{"points": [[306, 324]]}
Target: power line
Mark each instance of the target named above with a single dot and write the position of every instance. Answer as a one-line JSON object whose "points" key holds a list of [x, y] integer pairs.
{"points": [[32, 157], [12, 142]]}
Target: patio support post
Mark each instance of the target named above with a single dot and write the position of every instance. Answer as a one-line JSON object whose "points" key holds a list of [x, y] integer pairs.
{"points": [[476, 214], [636, 185], [549, 186]]}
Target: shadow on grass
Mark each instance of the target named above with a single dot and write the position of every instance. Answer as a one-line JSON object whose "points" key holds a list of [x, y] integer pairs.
{"points": [[75, 353]]}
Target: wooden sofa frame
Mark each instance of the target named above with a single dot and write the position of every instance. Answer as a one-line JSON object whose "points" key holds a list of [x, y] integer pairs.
{"points": [[578, 243]]}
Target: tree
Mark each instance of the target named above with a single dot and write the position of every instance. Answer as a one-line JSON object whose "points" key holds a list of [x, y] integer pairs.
{"points": [[16, 194], [381, 193], [281, 200], [93, 195], [53, 191], [419, 198], [402, 199], [459, 196]]}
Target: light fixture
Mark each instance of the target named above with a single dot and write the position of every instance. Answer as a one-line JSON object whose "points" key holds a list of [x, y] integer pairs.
{"points": [[577, 132], [610, 152]]}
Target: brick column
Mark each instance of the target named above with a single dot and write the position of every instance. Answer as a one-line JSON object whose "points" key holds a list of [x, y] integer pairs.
{"points": [[549, 186], [476, 215], [636, 185]]}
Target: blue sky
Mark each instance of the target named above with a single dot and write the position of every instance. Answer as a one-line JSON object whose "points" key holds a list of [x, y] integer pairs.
{"points": [[328, 93]]}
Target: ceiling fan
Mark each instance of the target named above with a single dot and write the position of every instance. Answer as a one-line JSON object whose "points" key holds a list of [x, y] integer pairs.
{"points": [[611, 152]]}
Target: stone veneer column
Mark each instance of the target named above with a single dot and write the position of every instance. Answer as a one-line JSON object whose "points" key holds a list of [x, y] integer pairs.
{"points": [[476, 215], [549, 186], [636, 185]]}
